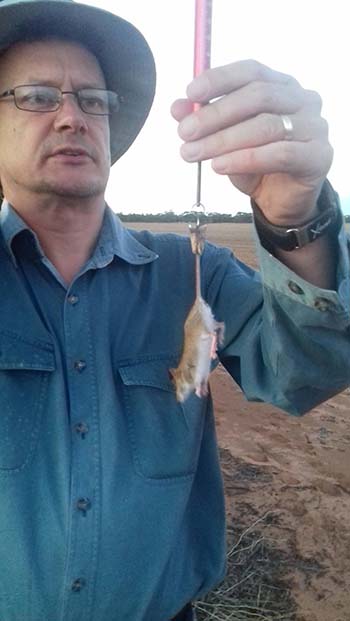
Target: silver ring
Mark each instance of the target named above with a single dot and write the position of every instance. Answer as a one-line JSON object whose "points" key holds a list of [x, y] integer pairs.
{"points": [[287, 126]]}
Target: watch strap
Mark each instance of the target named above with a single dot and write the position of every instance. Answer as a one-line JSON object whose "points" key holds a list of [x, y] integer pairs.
{"points": [[328, 220]]}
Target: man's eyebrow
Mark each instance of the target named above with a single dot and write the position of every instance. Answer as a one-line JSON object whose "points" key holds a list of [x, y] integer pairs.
{"points": [[35, 80], [31, 80]]}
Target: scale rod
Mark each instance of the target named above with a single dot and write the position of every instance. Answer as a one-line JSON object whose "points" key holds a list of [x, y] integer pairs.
{"points": [[202, 53]]}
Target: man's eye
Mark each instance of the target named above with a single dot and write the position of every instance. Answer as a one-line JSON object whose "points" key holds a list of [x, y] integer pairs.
{"points": [[38, 100], [93, 103]]}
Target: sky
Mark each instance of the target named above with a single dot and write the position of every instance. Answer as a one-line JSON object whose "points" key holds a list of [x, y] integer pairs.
{"points": [[305, 38]]}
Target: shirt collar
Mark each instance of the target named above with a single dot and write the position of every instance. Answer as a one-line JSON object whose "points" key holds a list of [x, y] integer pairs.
{"points": [[12, 225], [114, 239]]}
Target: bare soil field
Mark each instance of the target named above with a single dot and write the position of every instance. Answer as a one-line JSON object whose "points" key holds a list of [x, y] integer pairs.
{"points": [[287, 483]]}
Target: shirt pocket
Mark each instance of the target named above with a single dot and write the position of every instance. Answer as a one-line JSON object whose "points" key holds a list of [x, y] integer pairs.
{"points": [[25, 368], [165, 436]]}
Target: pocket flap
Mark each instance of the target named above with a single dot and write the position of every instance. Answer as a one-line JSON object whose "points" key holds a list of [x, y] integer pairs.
{"points": [[19, 353], [165, 436], [153, 373]]}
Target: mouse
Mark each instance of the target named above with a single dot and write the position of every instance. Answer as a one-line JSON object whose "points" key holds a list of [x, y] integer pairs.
{"points": [[202, 335]]}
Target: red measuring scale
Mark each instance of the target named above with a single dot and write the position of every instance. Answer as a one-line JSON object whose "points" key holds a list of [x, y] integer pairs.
{"points": [[202, 38], [202, 50]]}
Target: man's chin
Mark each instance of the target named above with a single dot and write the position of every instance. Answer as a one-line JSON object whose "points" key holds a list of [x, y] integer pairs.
{"points": [[87, 189]]}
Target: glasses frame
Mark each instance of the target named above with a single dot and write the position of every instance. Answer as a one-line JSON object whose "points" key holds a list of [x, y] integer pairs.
{"points": [[76, 95]]}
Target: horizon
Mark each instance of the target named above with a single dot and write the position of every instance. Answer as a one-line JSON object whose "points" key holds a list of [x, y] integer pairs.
{"points": [[344, 201]]}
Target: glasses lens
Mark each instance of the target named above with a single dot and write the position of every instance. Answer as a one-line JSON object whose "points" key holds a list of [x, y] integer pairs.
{"points": [[98, 101], [37, 98]]}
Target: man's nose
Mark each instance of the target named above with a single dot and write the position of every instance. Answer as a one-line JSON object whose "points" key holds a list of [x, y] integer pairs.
{"points": [[70, 116]]}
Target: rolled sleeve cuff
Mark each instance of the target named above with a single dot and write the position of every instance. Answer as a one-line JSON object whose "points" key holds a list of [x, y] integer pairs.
{"points": [[279, 278]]}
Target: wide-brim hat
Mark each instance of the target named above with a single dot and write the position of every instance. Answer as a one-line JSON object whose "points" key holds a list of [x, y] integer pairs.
{"points": [[123, 53]]}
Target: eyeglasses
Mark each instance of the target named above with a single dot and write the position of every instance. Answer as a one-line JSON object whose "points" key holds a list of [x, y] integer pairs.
{"points": [[40, 98]]}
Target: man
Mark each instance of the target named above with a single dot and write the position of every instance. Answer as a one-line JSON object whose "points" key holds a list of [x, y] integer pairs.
{"points": [[110, 491]]}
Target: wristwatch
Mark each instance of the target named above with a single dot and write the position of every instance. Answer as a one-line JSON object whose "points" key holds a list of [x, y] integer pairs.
{"points": [[328, 220]]}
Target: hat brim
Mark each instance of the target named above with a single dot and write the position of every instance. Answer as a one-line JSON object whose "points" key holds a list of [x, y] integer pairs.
{"points": [[124, 55]]}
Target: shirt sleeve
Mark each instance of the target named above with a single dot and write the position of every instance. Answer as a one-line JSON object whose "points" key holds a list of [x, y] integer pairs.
{"points": [[287, 341]]}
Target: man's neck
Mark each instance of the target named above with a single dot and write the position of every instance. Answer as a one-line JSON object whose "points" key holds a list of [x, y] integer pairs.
{"points": [[67, 230]]}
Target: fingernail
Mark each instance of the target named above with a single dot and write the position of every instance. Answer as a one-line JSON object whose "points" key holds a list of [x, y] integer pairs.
{"points": [[220, 165], [190, 151], [188, 127]]}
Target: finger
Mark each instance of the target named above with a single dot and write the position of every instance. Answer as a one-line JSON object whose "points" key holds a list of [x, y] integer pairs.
{"points": [[313, 101], [253, 99], [181, 108], [221, 80], [308, 159], [261, 130]]}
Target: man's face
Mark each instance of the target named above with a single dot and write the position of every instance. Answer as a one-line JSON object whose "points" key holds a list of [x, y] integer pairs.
{"points": [[66, 152]]}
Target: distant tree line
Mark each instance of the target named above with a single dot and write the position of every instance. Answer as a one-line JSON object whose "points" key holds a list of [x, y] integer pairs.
{"points": [[186, 216], [190, 216]]}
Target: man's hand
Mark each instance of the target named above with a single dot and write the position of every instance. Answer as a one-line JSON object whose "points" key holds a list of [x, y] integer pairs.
{"points": [[242, 132]]}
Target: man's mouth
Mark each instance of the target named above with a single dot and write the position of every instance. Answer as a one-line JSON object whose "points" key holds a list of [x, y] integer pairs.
{"points": [[70, 152]]}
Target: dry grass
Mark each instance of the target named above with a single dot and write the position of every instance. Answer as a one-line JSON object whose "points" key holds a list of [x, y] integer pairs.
{"points": [[259, 563], [251, 597], [255, 587]]}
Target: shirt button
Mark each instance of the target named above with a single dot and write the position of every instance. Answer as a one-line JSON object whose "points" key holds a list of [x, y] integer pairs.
{"points": [[80, 365], [78, 584], [73, 299], [295, 288], [83, 505], [82, 429]]}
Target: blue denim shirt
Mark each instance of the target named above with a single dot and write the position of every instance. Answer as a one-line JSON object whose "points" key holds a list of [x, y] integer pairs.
{"points": [[111, 501]]}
